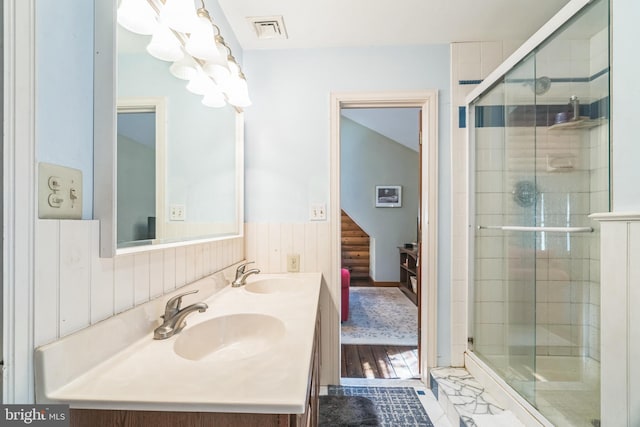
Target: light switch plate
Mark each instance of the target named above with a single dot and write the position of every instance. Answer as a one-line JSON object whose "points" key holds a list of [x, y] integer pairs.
{"points": [[318, 212], [59, 192], [177, 213]]}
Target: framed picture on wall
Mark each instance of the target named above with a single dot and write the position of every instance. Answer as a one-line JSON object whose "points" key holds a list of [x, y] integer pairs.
{"points": [[388, 196]]}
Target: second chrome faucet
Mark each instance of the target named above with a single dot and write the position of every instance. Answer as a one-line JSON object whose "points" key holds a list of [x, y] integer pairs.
{"points": [[174, 316], [241, 274]]}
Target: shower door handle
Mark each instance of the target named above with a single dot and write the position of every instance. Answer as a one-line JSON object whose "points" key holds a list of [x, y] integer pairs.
{"points": [[546, 229]]}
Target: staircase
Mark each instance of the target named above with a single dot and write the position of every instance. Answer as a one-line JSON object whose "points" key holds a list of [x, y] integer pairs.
{"points": [[355, 248]]}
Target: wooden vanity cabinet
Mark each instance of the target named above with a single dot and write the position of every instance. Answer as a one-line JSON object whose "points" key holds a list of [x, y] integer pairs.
{"points": [[131, 418], [310, 417]]}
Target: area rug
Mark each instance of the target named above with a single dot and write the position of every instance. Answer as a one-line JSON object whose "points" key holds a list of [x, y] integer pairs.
{"points": [[380, 316], [395, 406], [346, 411]]}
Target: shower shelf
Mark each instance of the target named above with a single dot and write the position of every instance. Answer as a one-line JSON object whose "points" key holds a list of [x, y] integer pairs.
{"points": [[581, 123]]}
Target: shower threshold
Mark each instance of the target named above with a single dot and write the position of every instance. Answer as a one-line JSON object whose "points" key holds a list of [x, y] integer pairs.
{"points": [[566, 392]]}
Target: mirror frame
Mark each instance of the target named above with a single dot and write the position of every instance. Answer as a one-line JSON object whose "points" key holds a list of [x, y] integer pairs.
{"points": [[105, 108]]}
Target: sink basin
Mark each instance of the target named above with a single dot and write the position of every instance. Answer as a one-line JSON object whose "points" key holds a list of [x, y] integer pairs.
{"points": [[274, 285], [232, 337]]}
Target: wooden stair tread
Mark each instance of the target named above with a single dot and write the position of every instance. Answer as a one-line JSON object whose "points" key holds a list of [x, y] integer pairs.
{"points": [[355, 248]]}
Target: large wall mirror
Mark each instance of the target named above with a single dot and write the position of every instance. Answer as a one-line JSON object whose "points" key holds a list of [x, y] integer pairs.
{"points": [[169, 169]]}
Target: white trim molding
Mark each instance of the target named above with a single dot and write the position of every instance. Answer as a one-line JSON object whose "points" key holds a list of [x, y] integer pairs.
{"points": [[428, 101], [620, 319], [19, 201]]}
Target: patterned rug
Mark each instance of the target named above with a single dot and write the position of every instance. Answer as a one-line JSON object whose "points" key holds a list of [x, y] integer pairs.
{"points": [[346, 411], [395, 406], [380, 316]]}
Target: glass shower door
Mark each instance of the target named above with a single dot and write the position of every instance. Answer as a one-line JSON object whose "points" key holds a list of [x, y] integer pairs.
{"points": [[504, 334], [540, 165]]}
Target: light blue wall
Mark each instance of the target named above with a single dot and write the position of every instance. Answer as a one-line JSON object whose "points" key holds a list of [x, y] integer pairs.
{"points": [[368, 159], [64, 88], [287, 132], [625, 95], [287, 128]]}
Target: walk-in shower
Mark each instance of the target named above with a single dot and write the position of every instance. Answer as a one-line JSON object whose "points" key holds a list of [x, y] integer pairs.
{"points": [[539, 167]]}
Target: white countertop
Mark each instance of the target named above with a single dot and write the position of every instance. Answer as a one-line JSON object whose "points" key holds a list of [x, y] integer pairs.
{"points": [[146, 374]]}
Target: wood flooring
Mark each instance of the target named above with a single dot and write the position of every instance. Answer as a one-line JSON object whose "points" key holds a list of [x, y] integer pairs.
{"points": [[379, 361]]}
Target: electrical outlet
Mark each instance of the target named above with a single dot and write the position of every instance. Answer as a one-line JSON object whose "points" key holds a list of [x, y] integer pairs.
{"points": [[318, 212], [293, 263], [177, 213]]}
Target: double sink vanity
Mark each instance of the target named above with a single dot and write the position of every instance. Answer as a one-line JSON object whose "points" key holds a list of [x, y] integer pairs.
{"points": [[248, 355]]}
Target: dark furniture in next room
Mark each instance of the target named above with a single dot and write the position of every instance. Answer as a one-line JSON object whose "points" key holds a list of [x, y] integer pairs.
{"points": [[409, 281]]}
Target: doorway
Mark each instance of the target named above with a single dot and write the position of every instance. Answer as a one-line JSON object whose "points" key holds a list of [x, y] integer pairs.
{"points": [[380, 200], [426, 225]]}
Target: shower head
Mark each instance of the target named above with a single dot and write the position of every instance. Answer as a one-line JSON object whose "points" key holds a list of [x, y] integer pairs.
{"points": [[541, 85]]}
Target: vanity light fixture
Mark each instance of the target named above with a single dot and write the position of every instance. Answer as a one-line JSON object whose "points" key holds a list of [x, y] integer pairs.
{"points": [[189, 38]]}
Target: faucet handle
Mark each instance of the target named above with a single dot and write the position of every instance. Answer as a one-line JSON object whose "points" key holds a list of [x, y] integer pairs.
{"points": [[241, 267], [173, 305]]}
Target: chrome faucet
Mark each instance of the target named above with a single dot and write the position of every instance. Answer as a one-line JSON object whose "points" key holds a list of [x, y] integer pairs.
{"points": [[241, 274], [174, 316]]}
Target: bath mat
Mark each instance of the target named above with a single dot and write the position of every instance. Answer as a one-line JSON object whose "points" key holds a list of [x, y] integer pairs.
{"points": [[395, 406], [380, 316], [346, 411]]}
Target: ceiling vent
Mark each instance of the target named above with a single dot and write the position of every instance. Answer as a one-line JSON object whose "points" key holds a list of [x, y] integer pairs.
{"points": [[268, 27]]}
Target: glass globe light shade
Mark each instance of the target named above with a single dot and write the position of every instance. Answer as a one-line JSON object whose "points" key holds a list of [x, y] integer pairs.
{"points": [[219, 72], [179, 15], [201, 43], [214, 98], [200, 84], [164, 45], [137, 16], [238, 93], [184, 69]]}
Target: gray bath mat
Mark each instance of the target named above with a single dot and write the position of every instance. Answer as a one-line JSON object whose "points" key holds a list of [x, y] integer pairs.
{"points": [[394, 406], [346, 411]]}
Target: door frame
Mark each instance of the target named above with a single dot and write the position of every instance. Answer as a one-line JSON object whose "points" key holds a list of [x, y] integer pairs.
{"points": [[427, 100], [19, 201]]}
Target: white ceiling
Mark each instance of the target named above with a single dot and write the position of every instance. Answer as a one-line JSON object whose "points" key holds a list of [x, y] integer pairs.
{"points": [[340, 23]]}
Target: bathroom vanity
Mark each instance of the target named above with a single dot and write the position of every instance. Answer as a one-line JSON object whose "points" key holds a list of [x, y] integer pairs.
{"points": [[134, 418], [252, 359]]}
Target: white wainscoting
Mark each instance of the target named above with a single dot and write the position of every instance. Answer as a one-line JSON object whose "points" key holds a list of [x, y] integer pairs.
{"points": [[620, 319], [75, 288], [268, 244]]}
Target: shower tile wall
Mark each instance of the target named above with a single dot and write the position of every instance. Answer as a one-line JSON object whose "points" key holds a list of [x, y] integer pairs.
{"points": [[470, 63], [566, 266]]}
